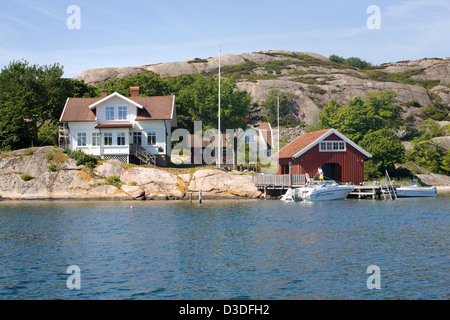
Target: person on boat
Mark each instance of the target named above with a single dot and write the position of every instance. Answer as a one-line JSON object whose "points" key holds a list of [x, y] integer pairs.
{"points": [[320, 173]]}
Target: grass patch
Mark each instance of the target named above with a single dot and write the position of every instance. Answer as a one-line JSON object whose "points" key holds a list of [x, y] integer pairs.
{"points": [[114, 181], [28, 152]]}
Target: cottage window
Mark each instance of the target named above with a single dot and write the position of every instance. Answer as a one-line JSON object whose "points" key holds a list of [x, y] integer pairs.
{"points": [[123, 111], [95, 139], [137, 138], [329, 146], [151, 138], [109, 113], [121, 139], [249, 139], [82, 139], [108, 139]]}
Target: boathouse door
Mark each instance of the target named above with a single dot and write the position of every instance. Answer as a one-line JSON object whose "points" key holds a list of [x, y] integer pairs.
{"points": [[332, 171]]}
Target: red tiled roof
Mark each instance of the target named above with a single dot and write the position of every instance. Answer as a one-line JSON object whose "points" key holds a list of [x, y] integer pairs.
{"points": [[300, 143], [77, 109], [154, 108]]}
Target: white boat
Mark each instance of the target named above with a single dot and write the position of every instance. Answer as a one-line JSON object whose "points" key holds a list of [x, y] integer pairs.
{"points": [[318, 191], [416, 191]]}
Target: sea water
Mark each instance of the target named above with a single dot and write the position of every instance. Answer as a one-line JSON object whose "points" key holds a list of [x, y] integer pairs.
{"points": [[262, 249]]}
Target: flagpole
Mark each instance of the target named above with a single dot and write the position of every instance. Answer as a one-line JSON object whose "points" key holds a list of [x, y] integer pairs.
{"points": [[219, 152], [278, 133]]}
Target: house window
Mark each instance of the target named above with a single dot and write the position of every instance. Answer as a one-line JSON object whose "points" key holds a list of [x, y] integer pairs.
{"points": [[151, 138], [109, 113], [137, 138], [82, 139], [108, 139], [95, 139], [249, 139], [328, 146], [121, 139], [123, 111]]}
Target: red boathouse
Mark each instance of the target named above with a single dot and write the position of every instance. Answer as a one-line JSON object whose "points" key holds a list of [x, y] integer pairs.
{"points": [[340, 158]]}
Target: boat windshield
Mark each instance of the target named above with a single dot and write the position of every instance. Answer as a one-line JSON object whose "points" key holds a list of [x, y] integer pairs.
{"points": [[326, 183]]}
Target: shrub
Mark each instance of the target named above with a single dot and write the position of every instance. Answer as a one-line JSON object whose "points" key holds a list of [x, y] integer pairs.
{"points": [[83, 159], [115, 181], [28, 152], [26, 177], [50, 156], [317, 89], [52, 167]]}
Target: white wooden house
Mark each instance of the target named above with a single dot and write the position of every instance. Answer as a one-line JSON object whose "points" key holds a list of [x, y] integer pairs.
{"points": [[134, 129]]}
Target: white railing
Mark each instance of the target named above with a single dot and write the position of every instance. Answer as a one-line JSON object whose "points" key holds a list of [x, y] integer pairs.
{"points": [[279, 180]]}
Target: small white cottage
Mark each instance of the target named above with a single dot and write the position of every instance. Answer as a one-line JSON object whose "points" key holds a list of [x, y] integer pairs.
{"points": [[135, 129]]}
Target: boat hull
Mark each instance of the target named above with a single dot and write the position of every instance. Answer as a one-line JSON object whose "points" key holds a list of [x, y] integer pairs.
{"points": [[406, 192], [328, 194]]}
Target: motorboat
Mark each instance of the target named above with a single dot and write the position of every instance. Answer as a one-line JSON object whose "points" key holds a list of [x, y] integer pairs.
{"points": [[416, 191], [318, 191]]}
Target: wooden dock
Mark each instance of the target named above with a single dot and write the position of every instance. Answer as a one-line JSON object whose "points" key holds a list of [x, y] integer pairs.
{"points": [[275, 185]]}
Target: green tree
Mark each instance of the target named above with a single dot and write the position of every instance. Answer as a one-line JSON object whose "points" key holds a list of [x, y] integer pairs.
{"points": [[31, 97], [376, 111], [352, 61], [445, 163], [199, 101], [287, 107], [428, 154], [150, 84], [385, 147]]}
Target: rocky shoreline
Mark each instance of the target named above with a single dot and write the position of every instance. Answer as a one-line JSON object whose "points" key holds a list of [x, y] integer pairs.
{"points": [[48, 174]]}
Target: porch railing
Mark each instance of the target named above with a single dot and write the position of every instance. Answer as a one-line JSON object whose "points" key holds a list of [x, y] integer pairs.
{"points": [[275, 180]]}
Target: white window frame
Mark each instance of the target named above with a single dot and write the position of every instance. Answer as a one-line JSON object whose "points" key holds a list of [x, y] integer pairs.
{"points": [[82, 139], [151, 135], [333, 146], [109, 136], [108, 112], [137, 138], [123, 113], [121, 139], [96, 139]]}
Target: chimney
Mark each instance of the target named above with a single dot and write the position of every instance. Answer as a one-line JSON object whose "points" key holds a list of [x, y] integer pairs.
{"points": [[134, 92], [104, 93]]}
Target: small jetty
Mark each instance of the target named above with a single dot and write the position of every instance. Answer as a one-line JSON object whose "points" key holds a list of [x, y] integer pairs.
{"points": [[275, 185], [375, 191]]}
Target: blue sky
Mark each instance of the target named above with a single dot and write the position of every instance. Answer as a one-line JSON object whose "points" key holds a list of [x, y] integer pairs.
{"points": [[132, 33]]}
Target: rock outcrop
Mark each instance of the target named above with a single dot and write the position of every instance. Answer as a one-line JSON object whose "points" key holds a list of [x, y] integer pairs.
{"points": [[34, 176], [314, 80]]}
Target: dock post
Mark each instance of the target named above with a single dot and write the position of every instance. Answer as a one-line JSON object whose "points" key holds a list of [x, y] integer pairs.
{"points": [[190, 197], [290, 174], [265, 192], [200, 197]]}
